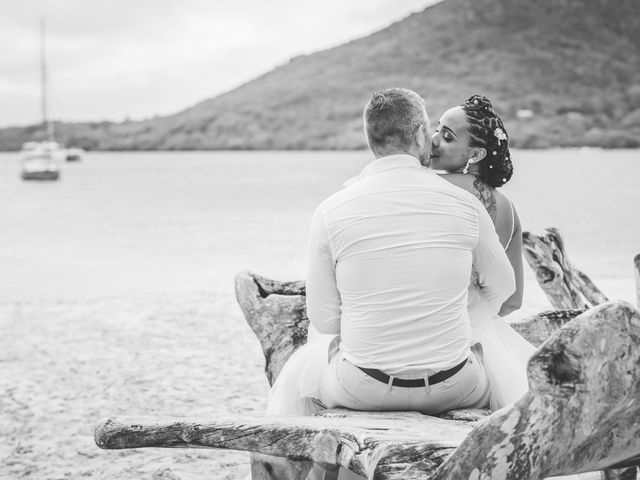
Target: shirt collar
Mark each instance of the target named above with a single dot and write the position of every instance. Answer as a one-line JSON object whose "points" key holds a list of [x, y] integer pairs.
{"points": [[386, 163]]}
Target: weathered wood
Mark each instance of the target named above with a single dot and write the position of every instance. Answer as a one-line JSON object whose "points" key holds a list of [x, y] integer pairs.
{"points": [[385, 445], [636, 263], [564, 285], [277, 314], [537, 328], [269, 467], [579, 415], [622, 474]]}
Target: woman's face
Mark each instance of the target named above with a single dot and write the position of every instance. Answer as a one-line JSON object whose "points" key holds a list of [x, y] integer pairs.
{"points": [[450, 149]]}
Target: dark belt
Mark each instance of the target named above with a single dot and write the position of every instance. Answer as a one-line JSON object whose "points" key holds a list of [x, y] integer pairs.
{"points": [[415, 382]]}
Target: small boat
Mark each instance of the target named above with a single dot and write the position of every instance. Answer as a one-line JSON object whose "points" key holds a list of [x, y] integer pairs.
{"points": [[74, 154], [41, 160]]}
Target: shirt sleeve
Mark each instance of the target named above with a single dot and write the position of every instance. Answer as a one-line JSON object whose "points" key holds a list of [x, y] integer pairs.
{"points": [[495, 274], [323, 297]]}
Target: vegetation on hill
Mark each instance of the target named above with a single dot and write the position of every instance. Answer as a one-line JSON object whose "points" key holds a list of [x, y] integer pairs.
{"points": [[561, 72]]}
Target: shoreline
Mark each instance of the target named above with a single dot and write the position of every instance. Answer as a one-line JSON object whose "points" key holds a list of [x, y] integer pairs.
{"points": [[577, 148]]}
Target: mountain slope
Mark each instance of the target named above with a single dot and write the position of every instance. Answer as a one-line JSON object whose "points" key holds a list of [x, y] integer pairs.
{"points": [[574, 64]]}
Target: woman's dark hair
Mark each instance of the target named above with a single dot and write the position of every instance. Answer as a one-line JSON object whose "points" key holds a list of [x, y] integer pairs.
{"points": [[487, 131]]}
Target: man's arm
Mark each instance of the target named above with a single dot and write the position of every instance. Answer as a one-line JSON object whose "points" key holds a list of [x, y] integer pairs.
{"points": [[323, 298], [495, 273]]}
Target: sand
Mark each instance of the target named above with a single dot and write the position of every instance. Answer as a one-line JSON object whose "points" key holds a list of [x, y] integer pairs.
{"points": [[66, 366]]}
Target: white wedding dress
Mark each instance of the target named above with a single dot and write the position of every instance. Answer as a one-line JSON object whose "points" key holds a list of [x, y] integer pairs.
{"points": [[297, 389], [505, 353]]}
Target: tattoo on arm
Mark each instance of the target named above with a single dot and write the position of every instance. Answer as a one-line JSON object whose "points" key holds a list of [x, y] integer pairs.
{"points": [[485, 194]]}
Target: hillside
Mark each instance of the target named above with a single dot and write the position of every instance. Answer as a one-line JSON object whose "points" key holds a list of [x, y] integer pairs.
{"points": [[573, 64]]}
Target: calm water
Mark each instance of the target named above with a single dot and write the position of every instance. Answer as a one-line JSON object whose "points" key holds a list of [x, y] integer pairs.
{"points": [[129, 224]]}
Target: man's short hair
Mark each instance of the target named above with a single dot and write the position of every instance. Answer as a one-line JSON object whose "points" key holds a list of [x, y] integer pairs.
{"points": [[392, 116]]}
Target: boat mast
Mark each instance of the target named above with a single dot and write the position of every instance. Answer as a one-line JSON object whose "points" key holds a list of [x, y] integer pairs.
{"points": [[48, 126]]}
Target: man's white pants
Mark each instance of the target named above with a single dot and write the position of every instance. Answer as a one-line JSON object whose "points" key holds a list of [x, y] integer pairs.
{"points": [[345, 385]]}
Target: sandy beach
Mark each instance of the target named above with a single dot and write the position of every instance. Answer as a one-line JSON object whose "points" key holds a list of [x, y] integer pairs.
{"points": [[65, 366]]}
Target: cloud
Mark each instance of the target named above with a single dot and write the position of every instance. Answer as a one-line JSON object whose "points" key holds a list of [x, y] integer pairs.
{"points": [[117, 58]]}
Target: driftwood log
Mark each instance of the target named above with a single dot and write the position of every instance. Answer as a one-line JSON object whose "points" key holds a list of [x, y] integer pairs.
{"points": [[564, 285], [277, 314], [636, 264], [578, 416], [568, 287]]}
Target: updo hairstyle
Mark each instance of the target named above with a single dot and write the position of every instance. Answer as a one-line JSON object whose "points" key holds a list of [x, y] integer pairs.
{"points": [[487, 131]]}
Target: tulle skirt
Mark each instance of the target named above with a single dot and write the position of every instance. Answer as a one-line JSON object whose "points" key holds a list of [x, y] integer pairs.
{"points": [[296, 391], [505, 354]]}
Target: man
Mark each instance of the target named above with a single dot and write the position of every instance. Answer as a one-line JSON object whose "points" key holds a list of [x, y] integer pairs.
{"points": [[390, 260], [391, 256]]}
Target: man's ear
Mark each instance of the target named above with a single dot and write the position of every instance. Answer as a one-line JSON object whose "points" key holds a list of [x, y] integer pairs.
{"points": [[421, 135], [477, 154]]}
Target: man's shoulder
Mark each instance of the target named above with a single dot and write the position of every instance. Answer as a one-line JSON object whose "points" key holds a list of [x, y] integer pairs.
{"points": [[421, 180], [353, 187], [336, 199]]}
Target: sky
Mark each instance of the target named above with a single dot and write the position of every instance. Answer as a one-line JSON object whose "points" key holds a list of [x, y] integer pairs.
{"points": [[135, 59]]}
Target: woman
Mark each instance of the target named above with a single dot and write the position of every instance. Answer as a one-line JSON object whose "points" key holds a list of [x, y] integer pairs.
{"points": [[471, 145], [463, 145]]}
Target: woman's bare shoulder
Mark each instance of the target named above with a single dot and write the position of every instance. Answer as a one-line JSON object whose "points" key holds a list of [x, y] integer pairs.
{"points": [[504, 204], [496, 203], [459, 180]]}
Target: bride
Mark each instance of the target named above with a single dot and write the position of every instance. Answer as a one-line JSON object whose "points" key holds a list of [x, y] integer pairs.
{"points": [[470, 147]]}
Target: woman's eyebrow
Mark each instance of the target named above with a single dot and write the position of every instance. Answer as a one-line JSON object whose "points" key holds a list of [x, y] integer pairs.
{"points": [[449, 130]]}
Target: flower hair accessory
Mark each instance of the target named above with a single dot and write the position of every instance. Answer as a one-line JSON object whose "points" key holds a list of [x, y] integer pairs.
{"points": [[500, 134]]}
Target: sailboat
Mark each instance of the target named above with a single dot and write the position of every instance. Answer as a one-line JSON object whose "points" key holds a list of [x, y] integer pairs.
{"points": [[41, 159], [74, 154]]}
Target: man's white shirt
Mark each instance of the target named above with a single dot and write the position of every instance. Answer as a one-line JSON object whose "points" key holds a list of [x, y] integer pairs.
{"points": [[390, 260]]}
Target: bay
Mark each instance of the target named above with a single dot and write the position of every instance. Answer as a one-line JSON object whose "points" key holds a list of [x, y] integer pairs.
{"points": [[136, 223]]}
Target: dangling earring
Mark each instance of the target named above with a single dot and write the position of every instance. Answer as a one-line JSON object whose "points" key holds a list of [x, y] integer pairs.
{"points": [[465, 170]]}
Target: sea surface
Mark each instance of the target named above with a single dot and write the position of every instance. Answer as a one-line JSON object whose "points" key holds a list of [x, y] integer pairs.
{"points": [[127, 224], [116, 287]]}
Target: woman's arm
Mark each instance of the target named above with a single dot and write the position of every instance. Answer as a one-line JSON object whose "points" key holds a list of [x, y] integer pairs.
{"points": [[514, 253]]}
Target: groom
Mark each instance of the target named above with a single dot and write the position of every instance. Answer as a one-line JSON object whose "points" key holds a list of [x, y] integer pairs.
{"points": [[390, 260], [391, 256]]}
